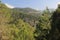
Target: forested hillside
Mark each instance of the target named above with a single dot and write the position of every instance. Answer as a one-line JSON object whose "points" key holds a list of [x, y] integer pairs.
{"points": [[27, 14], [24, 23], [12, 27]]}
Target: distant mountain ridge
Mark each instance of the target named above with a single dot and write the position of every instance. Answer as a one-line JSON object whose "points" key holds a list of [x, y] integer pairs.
{"points": [[29, 15], [27, 10]]}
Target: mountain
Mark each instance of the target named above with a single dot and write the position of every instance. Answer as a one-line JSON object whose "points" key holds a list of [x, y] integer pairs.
{"points": [[29, 15], [11, 27], [27, 10]]}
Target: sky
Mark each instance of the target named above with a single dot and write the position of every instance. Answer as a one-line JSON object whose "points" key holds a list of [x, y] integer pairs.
{"points": [[35, 4]]}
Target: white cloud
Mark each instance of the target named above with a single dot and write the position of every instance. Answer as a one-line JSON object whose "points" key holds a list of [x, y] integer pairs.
{"points": [[58, 3], [9, 6]]}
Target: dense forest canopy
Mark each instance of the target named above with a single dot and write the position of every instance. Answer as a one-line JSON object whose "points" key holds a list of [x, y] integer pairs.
{"points": [[25, 23]]}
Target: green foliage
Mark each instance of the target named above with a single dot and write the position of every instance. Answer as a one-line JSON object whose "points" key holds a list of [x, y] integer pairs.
{"points": [[55, 26], [43, 27], [24, 23], [29, 15], [13, 27], [22, 31]]}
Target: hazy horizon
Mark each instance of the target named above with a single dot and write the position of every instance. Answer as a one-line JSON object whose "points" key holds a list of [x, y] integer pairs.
{"points": [[35, 4]]}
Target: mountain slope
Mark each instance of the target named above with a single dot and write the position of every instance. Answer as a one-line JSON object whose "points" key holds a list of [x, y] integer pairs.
{"points": [[29, 15], [12, 27]]}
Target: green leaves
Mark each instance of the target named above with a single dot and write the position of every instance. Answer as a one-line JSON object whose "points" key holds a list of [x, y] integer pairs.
{"points": [[43, 27], [13, 27]]}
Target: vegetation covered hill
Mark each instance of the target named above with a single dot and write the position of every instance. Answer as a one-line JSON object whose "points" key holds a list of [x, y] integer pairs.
{"points": [[27, 14], [13, 27], [24, 23]]}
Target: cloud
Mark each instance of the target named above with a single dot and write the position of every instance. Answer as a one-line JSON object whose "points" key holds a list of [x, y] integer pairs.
{"points": [[9, 6], [58, 3]]}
